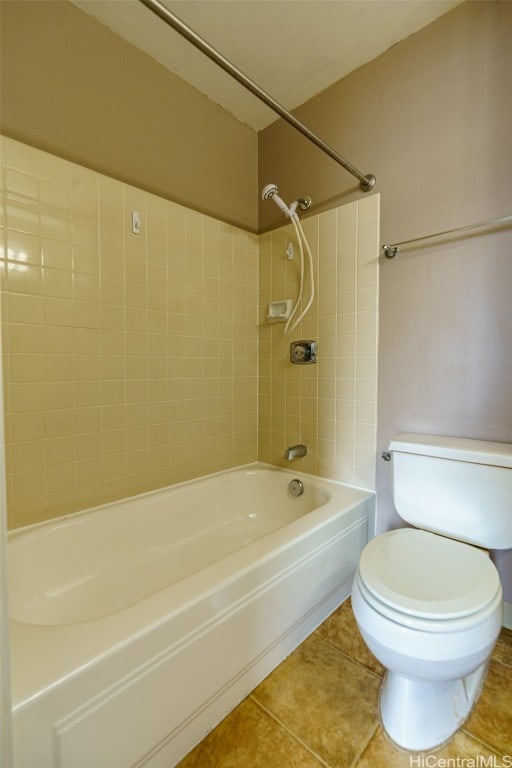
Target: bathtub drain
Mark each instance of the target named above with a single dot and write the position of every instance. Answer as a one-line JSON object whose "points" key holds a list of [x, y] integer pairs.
{"points": [[296, 487]]}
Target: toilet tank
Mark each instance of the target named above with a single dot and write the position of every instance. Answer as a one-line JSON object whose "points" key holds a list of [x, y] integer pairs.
{"points": [[454, 486]]}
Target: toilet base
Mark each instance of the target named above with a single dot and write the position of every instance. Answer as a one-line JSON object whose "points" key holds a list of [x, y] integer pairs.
{"points": [[419, 715]]}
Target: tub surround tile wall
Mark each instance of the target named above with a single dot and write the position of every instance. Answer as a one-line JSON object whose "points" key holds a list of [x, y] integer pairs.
{"points": [[130, 360], [331, 405]]}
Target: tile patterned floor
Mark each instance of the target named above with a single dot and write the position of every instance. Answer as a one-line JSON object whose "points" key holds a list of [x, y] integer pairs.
{"points": [[319, 708]]}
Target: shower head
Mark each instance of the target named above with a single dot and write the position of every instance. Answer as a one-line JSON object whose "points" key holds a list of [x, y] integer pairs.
{"points": [[269, 192]]}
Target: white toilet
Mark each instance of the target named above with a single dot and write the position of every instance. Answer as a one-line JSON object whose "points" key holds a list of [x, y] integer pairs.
{"points": [[429, 606]]}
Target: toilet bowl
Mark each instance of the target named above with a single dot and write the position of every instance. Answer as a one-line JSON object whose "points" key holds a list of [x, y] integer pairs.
{"points": [[434, 646], [428, 606]]}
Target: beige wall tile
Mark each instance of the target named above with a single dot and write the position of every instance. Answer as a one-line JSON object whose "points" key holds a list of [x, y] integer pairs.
{"points": [[53, 168], [20, 156], [119, 374], [337, 396]]}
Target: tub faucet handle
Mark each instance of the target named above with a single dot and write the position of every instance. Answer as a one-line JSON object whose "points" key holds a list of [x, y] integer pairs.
{"points": [[295, 452]]}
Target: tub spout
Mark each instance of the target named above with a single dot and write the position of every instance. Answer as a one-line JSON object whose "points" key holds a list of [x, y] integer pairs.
{"points": [[295, 452]]}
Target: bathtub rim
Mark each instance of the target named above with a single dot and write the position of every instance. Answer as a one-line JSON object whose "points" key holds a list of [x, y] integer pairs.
{"points": [[15, 532], [117, 631], [252, 491]]}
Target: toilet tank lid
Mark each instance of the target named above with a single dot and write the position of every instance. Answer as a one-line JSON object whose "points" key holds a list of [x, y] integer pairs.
{"points": [[455, 448]]}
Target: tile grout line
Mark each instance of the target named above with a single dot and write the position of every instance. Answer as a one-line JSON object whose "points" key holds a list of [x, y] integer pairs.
{"points": [[292, 735], [348, 656], [356, 760], [478, 741]]}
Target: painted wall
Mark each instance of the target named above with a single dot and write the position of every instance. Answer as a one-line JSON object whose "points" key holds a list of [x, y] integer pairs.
{"points": [[130, 360], [72, 87], [432, 119], [329, 406]]}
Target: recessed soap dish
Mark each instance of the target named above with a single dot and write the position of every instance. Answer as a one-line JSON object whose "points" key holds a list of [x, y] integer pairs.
{"points": [[279, 311]]}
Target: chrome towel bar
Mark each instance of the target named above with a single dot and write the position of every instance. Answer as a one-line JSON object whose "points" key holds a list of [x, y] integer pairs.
{"points": [[391, 250]]}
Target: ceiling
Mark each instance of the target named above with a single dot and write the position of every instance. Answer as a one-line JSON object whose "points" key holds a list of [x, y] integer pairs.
{"points": [[293, 49]]}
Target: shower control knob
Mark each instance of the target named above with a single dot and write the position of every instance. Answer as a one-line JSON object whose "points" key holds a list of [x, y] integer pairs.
{"points": [[303, 352]]}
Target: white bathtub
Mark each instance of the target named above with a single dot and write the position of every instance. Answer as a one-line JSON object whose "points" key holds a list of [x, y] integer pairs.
{"points": [[138, 625]]}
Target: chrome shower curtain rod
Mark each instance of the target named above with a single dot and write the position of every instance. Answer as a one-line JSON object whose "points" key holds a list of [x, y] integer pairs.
{"points": [[367, 182]]}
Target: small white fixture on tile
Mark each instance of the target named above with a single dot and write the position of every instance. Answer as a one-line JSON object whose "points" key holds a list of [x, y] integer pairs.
{"points": [[279, 311]]}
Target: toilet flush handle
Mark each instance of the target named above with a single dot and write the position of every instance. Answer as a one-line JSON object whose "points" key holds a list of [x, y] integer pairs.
{"points": [[386, 455]]}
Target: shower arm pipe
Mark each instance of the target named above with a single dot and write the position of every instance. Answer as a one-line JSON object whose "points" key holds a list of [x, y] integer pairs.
{"points": [[367, 182]]}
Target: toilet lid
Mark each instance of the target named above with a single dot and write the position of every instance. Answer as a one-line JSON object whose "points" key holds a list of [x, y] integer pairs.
{"points": [[428, 576]]}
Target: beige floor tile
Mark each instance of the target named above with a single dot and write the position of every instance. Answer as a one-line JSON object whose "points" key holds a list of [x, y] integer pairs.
{"points": [[503, 650], [329, 703], [382, 753], [249, 738], [341, 630], [491, 719], [325, 698]]}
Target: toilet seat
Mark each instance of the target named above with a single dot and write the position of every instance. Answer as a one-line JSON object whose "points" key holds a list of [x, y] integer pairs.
{"points": [[427, 581]]}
